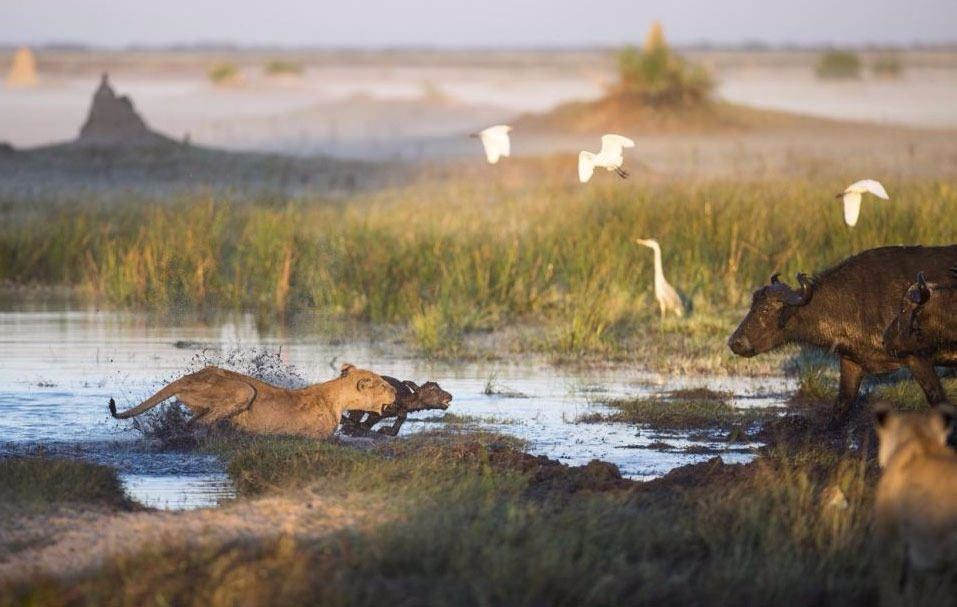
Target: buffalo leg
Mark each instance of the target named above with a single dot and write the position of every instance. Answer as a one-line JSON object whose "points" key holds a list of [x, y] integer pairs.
{"points": [[370, 420], [925, 374], [851, 376], [355, 416], [394, 429]]}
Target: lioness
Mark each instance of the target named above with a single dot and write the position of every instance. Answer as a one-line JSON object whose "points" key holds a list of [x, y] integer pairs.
{"points": [[215, 394], [916, 502]]}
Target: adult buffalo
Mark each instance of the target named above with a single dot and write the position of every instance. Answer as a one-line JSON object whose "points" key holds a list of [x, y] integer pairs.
{"points": [[845, 309]]}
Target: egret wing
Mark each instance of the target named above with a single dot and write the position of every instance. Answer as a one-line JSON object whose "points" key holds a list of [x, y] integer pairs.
{"points": [[494, 147], [586, 166], [613, 144], [852, 208], [872, 186]]}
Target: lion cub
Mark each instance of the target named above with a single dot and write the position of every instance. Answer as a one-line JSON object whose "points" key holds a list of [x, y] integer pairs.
{"points": [[916, 502]]}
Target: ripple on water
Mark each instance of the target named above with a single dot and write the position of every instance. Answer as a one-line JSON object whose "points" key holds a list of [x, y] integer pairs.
{"points": [[58, 369]]}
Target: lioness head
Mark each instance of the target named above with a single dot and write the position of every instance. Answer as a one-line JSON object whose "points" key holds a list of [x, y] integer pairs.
{"points": [[897, 428], [366, 391]]}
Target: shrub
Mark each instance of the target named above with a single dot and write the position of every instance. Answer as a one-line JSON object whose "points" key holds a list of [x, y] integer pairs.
{"points": [[839, 64], [223, 73], [282, 67], [658, 76]]}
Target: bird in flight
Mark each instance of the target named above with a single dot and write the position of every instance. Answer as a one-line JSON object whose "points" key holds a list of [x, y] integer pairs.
{"points": [[496, 142], [610, 157], [852, 198]]}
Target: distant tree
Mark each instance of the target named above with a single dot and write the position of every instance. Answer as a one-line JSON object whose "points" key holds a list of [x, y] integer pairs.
{"points": [[659, 76], [839, 64], [224, 73], [282, 67]]}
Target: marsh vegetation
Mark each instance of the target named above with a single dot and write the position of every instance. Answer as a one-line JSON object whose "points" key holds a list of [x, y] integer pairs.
{"points": [[545, 255]]}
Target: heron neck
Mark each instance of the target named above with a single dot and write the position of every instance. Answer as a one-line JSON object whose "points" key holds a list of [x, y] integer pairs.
{"points": [[659, 271]]}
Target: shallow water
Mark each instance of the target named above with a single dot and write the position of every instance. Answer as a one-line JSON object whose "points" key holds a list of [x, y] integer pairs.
{"points": [[58, 369]]}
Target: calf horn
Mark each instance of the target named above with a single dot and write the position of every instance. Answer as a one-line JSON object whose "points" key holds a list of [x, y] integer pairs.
{"points": [[802, 297], [774, 278]]}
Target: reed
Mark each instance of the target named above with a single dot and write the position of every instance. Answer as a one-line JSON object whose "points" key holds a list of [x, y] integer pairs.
{"points": [[455, 258]]}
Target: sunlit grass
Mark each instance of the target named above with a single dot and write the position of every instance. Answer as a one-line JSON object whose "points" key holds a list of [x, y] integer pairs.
{"points": [[36, 482], [451, 259]]}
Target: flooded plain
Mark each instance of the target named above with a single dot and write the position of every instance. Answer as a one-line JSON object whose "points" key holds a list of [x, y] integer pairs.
{"points": [[58, 369]]}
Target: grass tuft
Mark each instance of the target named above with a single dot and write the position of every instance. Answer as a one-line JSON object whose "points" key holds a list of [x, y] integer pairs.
{"points": [[40, 481]]}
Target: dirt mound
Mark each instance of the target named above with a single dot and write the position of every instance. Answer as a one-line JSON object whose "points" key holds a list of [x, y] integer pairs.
{"points": [[621, 112], [113, 122], [23, 72]]}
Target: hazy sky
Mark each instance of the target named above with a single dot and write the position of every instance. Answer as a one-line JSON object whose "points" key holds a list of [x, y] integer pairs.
{"points": [[473, 22]]}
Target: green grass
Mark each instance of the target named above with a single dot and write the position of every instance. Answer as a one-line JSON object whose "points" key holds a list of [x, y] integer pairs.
{"points": [[483, 526], [679, 413], [259, 465], [558, 258], [42, 481]]}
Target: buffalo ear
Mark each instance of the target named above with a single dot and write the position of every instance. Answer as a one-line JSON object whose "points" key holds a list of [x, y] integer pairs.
{"points": [[882, 413], [923, 290]]}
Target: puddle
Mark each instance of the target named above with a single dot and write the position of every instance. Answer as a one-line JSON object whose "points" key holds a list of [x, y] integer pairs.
{"points": [[58, 370]]}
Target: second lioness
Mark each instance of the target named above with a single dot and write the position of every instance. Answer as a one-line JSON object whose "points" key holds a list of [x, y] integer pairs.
{"points": [[410, 397], [215, 395]]}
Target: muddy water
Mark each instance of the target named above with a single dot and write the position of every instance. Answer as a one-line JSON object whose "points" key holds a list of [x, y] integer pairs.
{"points": [[59, 368]]}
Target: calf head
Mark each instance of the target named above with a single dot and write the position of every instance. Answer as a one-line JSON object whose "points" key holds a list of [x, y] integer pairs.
{"points": [[772, 306], [430, 396]]}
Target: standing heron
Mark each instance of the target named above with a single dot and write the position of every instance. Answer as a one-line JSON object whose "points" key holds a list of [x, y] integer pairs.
{"points": [[668, 298]]}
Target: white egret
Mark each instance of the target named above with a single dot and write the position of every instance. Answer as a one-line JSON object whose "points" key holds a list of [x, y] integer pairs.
{"points": [[668, 298], [852, 198], [610, 157], [496, 142]]}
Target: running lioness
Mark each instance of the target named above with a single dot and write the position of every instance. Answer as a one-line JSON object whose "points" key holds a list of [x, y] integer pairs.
{"points": [[215, 394], [916, 502]]}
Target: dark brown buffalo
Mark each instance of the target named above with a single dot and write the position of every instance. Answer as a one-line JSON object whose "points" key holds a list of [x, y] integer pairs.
{"points": [[846, 309], [409, 398], [927, 320]]}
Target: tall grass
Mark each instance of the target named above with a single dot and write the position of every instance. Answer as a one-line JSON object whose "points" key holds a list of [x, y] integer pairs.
{"points": [[454, 260]]}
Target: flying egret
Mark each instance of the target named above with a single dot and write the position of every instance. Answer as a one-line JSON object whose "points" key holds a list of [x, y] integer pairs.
{"points": [[610, 157], [495, 141], [852, 198], [668, 298]]}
